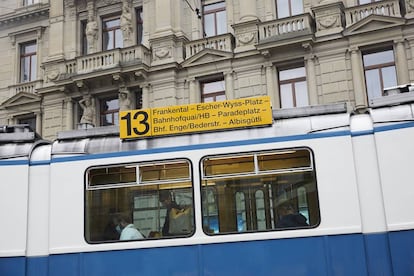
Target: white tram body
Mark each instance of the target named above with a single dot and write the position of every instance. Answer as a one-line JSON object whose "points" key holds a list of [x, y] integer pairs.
{"points": [[360, 217]]}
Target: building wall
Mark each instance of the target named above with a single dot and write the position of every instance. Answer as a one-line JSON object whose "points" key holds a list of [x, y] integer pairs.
{"points": [[175, 59]]}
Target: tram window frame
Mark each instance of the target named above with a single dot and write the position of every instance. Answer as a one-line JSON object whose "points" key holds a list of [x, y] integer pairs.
{"points": [[294, 172], [136, 199]]}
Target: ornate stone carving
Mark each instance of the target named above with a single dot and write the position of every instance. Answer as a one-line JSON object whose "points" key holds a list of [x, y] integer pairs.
{"points": [[246, 38], [52, 75], [162, 53], [327, 22], [126, 23]]}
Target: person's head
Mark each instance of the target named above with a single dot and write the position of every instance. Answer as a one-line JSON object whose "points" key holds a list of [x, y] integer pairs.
{"points": [[165, 198], [124, 221], [286, 209], [154, 234]]}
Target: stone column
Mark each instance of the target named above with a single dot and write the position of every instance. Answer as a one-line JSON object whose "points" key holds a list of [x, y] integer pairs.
{"points": [[163, 17], [196, 21], [194, 92], [69, 113], [357, 78], [168, 40], [270, 84], [39, 54], [38, 122], [146, 6], [269, 8], [229, 84], [248, 10], [311, 79], [71, 30], [145, 95], [401, 62], [56, 30]]}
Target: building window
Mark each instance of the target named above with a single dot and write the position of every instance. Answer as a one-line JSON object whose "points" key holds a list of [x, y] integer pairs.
{"points": [[111, 34], [28, 62], [29, 2], [215, 19], [109, 111], [286, 8], [213, 91], [138, 99], [84, 40], [140, 28], [293, 87], [380, 72], [28, 120]]}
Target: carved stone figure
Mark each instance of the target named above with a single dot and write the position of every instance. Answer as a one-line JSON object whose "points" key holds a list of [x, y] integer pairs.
{"points": [[91, 32], [126, 24], [89, 112], [124, 100]]}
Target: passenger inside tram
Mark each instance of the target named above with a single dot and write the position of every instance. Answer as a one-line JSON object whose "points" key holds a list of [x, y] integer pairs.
{"points": [[289, 217]]}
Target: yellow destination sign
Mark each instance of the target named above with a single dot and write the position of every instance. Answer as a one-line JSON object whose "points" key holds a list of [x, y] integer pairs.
{"points": [[200, 117]]}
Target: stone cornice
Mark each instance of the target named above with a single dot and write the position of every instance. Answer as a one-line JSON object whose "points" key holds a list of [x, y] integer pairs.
{"points": [[24, 14]]}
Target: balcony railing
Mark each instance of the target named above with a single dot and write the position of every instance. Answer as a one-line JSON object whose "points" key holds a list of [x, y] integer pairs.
{"points": [[108, 59], [28, 87], [221, 42], [386, 7], [291, 26]]}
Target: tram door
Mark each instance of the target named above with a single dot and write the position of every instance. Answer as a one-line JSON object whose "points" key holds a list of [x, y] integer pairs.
{"points": [[252, 208], [247, 205]]}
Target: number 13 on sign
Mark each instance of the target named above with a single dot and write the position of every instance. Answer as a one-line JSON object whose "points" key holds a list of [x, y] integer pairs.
{"points": [[134, 123]]}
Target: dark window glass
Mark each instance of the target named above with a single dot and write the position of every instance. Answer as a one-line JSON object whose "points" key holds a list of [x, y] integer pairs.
{"points": [[140, 26], [109, 111], [28, 62], [31, 121]]}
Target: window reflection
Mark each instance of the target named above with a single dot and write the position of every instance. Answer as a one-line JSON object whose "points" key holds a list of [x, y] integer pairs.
{"points": [[213, 91], [111, 34], [380, 72], [286, 8], [214, 19], [293, 87], [28, 62]]}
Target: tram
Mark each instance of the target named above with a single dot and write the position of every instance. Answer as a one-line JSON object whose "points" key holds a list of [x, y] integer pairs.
{"points": [[343, 181]]}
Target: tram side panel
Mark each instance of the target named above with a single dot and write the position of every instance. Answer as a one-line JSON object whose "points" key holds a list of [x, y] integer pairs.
{"points": [[370, 196], [13, 214], [395, 154], [333, 247], [38, 212], [71, 254]]}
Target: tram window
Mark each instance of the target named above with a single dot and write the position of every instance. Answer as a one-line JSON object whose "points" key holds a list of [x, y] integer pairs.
{"points": [[216, 166], [259, 191], [129, 196]]}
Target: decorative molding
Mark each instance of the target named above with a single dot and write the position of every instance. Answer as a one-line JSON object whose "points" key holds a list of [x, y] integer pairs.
{"points": [[162, 52], [246, 38]]}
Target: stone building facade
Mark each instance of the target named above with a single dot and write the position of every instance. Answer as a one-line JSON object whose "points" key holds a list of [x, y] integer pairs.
{"points": [[67, 64]]}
